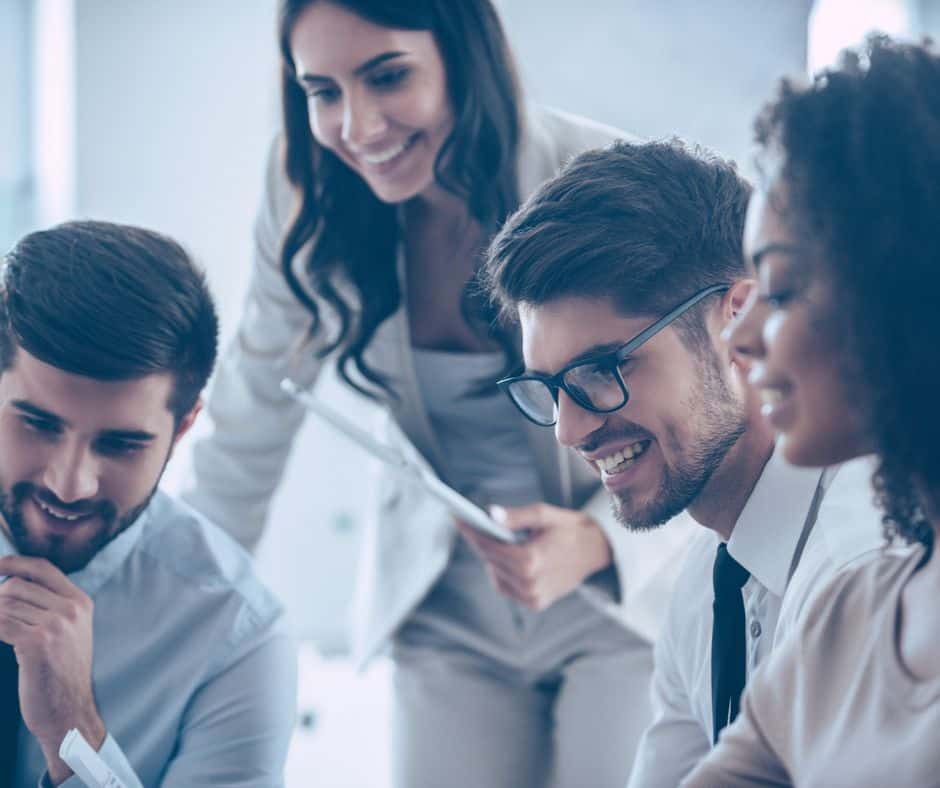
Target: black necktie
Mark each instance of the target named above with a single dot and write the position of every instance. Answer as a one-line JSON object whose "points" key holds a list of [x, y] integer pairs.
{"points": [[728, 644], [9, 713]]}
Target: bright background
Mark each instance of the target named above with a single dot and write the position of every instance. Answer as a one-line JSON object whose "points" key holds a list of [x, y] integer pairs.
{"points": [[159, 114]]}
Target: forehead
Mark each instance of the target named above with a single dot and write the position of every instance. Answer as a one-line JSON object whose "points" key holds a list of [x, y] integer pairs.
{"points": [[332, 41], [555, 333], [88, 404]]}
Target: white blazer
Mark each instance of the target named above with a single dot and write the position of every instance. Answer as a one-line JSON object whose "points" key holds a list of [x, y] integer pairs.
{"points": [[409, 536]]}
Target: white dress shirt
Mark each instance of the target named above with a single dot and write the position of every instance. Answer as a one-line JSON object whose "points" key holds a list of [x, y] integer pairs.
{"points": [[798, 528], [193, 672]]}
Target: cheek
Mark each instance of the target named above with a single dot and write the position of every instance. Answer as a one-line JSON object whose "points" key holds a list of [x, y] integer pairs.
{"points": [[424, 105], [127, 483], [792, 348], [21, 456], [322, 126]]}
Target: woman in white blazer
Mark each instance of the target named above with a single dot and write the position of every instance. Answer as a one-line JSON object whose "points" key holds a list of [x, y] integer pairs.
{"points": [[405, 145]]}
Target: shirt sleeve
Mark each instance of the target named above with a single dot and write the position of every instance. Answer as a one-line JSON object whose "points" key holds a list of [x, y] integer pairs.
{"points": [[238, 465], [676, 741], [743, 756], [236, 730], [238, 726], [647, 564]]}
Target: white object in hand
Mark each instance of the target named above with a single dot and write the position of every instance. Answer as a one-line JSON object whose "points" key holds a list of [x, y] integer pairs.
{"points": [[458, 505], [86, 763]]}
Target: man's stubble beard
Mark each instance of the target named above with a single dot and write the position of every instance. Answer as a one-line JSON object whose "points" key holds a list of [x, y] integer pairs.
{"points": [[721, 420], [57, 550]]}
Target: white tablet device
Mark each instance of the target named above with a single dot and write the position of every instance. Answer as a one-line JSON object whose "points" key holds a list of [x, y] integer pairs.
{"points": [[458, 505]]}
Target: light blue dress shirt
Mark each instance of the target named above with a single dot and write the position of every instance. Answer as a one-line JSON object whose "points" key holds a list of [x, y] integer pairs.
{"points": [[194, 672]]}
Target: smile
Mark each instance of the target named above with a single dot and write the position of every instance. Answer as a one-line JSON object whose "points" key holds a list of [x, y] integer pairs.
{"points": [[59, 514], [620, 460], [385, 156]]}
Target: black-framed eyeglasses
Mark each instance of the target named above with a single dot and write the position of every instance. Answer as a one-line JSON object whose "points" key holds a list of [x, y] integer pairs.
{"points": [[595, 383]]}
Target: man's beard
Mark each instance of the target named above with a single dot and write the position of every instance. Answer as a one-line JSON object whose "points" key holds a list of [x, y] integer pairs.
{"points": [[720, 420], [60, 550]]}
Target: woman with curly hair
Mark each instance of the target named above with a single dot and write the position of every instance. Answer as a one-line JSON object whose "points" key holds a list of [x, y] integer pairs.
{"points": [[844, 336], [405, 144]]}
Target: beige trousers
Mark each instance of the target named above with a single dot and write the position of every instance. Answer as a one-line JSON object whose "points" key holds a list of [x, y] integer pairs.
{"points": [[490, 695]]}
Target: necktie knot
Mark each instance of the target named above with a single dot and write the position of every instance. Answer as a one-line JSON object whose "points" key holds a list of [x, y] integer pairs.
{"points": [[728, 575]]}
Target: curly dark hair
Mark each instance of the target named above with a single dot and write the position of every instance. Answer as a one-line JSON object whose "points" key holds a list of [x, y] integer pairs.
{"points": [[357, 235], [860, 167]]}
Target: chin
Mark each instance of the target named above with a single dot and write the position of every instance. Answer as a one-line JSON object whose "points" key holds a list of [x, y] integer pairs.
{"points": [[818, 450]]}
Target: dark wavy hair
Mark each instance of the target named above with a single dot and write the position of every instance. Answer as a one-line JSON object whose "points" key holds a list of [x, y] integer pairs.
{"points": [[861, 173], [357, 234], [644, 225], [110, 302]]}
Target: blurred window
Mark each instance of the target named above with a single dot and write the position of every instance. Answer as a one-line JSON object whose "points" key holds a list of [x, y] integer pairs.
{"points": [[37, 125], [837, 24], [16, 182]]}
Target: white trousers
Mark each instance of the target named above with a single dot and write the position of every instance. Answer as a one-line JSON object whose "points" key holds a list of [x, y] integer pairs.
{"points": [[489, 695]]}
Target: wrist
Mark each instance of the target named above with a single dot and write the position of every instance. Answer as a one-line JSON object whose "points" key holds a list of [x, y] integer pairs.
{"points": [[92, 728], [602, 555]]}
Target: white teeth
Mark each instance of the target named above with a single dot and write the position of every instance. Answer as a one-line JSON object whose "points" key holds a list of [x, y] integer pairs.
{"points": [[57, 514], [387, 155], [622, 459]]}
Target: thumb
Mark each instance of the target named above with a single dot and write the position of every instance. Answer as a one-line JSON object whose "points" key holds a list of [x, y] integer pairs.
{"points": [[518, 518]]}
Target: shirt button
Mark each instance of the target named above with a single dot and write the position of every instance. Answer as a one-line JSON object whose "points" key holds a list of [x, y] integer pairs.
{"points": [[755, 629]]}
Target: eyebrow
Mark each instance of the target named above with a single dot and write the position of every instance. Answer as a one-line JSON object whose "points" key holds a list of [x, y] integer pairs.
{"points": [[772, 248], [585, 355], [358, 71], [135, 436]]}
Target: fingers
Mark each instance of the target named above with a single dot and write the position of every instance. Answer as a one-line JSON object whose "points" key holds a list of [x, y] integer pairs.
{"points": [[513, 588], [12, 628], [532, 516], [39, 571], [516, 558], [22, 590]]}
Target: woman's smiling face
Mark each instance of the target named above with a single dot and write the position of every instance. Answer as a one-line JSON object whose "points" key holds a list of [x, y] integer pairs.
{"points": [[795, 343], [377, 97]]}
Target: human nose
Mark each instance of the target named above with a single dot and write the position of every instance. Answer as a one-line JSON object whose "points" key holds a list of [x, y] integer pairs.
{"points": [[744, 335], [363, 120], [573, 423], [72, 473]]}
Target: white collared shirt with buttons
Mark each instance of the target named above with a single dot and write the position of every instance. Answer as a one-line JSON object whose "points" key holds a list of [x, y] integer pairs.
{"points": [[799, 527]]}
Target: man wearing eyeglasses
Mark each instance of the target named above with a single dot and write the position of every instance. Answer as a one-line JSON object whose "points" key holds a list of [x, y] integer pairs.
{"points": [[623, 272]]}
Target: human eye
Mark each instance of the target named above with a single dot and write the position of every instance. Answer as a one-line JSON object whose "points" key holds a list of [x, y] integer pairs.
{"points": [[777, 299], [37, 424], [389, 79], [118, 447], [326, 95]]}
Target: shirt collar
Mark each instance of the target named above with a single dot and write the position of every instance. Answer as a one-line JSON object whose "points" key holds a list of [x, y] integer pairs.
{"points": [[106, 562], [767, 532]]}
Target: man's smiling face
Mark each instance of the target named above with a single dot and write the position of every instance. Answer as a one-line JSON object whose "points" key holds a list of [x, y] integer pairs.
{"points": [[656, 453], [79, 457]]}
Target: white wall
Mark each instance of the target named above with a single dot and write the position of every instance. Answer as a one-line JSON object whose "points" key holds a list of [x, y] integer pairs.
{"points": [[697, 69], [176, 103]]}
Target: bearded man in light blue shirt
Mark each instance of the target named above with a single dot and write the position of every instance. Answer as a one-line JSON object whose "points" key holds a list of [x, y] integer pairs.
{"points": [[123, 613]]}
